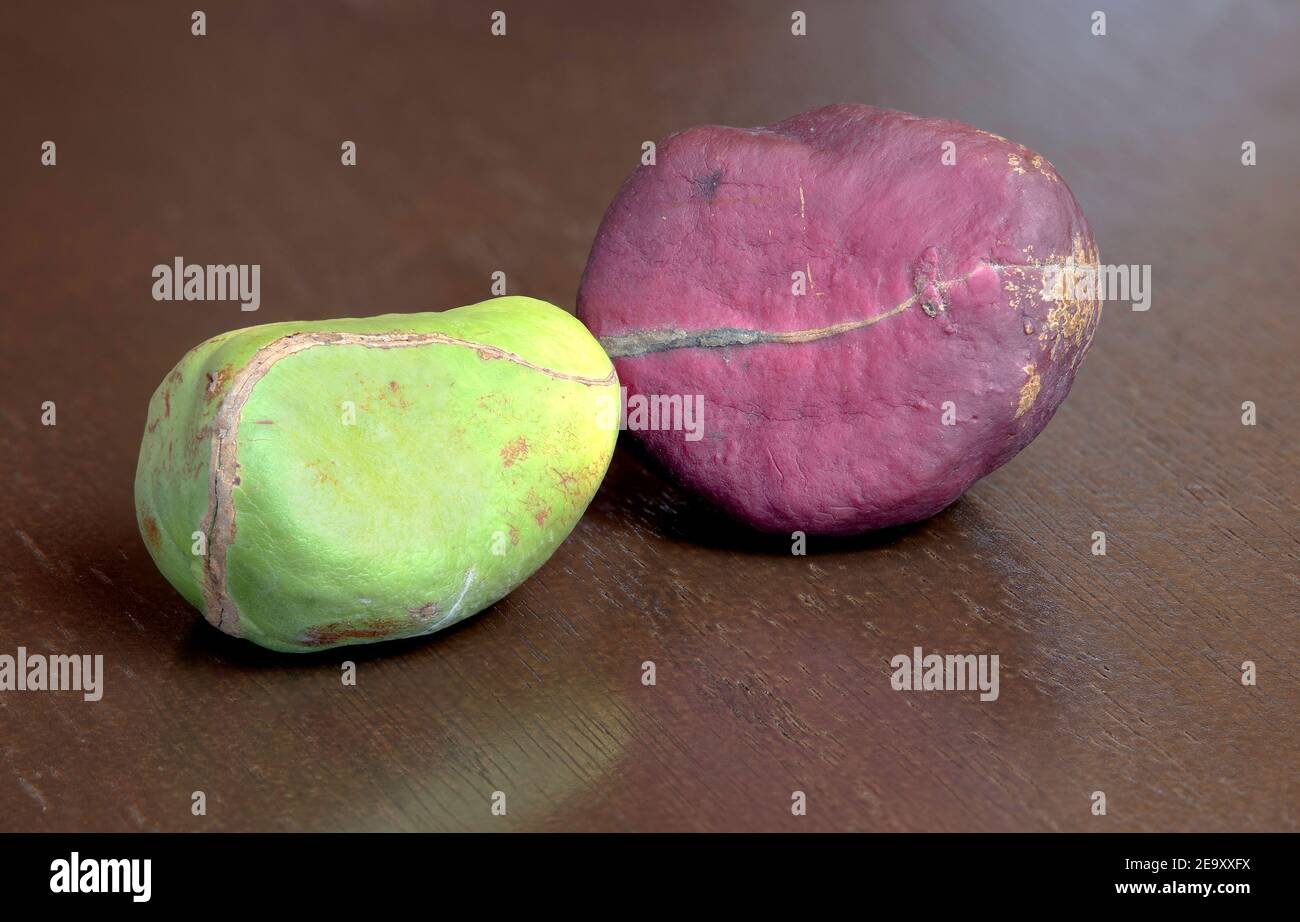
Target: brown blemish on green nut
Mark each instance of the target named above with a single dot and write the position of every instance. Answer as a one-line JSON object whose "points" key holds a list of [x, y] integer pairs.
{"points": [[514, 451], [152, 534], [217, 381], [330, 635]]}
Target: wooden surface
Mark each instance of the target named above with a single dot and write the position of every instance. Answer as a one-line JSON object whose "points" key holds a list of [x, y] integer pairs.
{"points": [[1119, 673]]}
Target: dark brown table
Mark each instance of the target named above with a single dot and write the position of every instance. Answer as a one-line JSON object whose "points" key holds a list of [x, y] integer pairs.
{"points": [[1120, 674]]}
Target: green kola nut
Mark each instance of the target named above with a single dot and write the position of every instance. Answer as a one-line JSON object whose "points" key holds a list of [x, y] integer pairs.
{"points": [[309, 485]]}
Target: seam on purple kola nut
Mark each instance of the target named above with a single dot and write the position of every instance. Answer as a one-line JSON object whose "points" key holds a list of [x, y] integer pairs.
{"points": [[929, 295]]}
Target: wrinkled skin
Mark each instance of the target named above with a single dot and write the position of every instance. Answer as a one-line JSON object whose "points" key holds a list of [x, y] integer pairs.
{"points": [[359, 480], [824, 411]]}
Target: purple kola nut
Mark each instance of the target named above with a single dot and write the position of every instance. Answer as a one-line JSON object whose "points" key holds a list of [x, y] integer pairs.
{"points": [[875, 317]]}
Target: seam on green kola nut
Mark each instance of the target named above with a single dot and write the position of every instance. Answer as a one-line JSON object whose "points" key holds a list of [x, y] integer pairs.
{"points": [[541, 478]]}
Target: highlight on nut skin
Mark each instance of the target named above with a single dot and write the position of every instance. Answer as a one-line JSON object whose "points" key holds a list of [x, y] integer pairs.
{"points": [[879, 309], [310, 485]]}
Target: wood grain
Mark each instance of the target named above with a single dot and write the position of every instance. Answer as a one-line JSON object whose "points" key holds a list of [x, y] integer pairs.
{"points": [[1119, 673]]}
